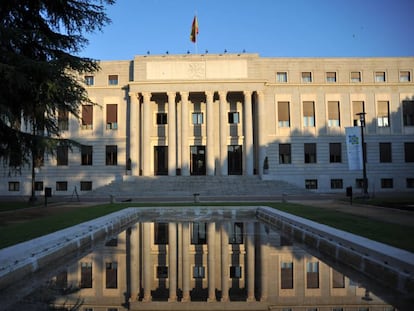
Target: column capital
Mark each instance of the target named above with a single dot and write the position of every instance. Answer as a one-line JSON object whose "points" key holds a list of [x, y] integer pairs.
{"points": [[222, 94], [184, 94], [146, 96], [209, 96], [247, 93], [171, 94], [133, 95]]}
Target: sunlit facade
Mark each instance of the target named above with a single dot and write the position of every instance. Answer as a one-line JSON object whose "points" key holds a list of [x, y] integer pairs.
{"points": [[236, 114], [226, 265]]}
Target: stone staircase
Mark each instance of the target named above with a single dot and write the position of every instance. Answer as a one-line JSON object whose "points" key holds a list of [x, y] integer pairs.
{"points": [[205, 186]]}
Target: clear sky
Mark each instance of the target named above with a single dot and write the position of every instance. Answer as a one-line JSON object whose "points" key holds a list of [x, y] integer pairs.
{"points": [[271, 28]]}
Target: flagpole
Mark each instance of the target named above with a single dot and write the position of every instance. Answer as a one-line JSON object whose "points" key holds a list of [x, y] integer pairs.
{"points": [[196, 40]]}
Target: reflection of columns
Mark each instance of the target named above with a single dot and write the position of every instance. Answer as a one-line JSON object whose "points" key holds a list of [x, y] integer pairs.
{"points": [[172, 260], [211, 238], [172, 153], [186, 261], [224, 262], [147, 261], [248, 132], [250, 261], [261, 130], [146, 134], [134, 134], [210, 133], [223, 133], [134, 262], [185, 151], [264, 263]]}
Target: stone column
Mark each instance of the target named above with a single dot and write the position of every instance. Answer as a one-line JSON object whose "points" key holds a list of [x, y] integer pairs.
{"points": [[223, 133], [210, 134], [146, 252], [186, 262], [172, 261], [211, 261], [146, 134], [185, 150], [264, 264], [134, 134], [250, 261], [261, 131], [248, 133], [224, 262], [172, 152]]}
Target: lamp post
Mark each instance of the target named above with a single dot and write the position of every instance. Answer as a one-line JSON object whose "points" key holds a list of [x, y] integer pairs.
{"points": [[364, 155]]}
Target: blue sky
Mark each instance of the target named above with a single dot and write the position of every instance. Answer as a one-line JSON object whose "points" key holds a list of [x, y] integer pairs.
{"points": [[271, 28]]}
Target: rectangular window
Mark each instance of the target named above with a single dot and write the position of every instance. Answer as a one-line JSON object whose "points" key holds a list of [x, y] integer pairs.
{"points": [[334, 114], [236, 233], [111, 116], [14, 186], [111, 275], [380, 76], [409, 183], [199, 233], [89, 80], [385, 152], [310, 152], [86, 186], [285, 154], [409, 152], [86, 275], [111, 152], [63, 120], [283, 114], [405, 76], [235, 272], [61, 186], [311, 184], [338, 279], [281, 77], [383, 118], [197, 118], [286, 275], [331, 77], [306, 77], [87, 117], [335, 153], [233, 118], [86, 155], [337, 184], [161, 233], [308, 114], [162, 118], [162, 272], [38, 185], [357, 107], [408, 112], [62, 155], [387, 183], [113, 79], [312, 275], [198, 272], [355, 76]]}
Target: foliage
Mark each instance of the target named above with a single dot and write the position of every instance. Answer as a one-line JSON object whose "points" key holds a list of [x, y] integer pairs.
{"points": [[41, 73]]}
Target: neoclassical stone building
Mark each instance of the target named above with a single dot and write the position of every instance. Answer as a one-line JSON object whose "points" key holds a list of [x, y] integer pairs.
{"points": [[236, 114]]}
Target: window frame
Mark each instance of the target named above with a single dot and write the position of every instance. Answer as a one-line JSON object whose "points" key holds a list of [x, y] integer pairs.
{"points": [[86, 155], [111, 155], [281, 77], [113, 80], [89, 80], [335, 152], [285, 158], [331, 76], [283, 114], [310, 153], [306, 77]]}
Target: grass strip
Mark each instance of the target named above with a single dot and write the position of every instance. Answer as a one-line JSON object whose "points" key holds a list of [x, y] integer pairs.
{"points": [[388, 233]]}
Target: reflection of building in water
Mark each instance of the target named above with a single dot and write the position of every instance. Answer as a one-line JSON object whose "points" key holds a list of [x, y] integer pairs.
{"points": [[215, 262]]}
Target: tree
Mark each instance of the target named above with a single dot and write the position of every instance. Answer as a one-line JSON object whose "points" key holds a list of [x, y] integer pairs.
{"points": [[41, 73]]}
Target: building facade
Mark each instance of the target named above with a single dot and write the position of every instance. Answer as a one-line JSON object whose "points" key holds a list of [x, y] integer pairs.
{"points": [[236, 114]]}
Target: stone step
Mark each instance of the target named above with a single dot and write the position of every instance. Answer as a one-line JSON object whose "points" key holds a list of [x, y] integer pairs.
{"points": [[176, 186]]}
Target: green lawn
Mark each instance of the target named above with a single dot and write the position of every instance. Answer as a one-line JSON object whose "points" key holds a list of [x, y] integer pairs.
{"points": [[392, 234]]}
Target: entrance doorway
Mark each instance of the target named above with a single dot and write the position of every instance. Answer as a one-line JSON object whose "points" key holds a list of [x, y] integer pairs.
{"points": [[160, 160], [198, 160], [235, 162]]}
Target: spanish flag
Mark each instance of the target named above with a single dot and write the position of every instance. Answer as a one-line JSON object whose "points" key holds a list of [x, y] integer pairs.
{"points": [[194, 30]]}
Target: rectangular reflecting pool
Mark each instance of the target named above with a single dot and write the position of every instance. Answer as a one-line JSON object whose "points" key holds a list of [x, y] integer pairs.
{"points": [[204, 260]]}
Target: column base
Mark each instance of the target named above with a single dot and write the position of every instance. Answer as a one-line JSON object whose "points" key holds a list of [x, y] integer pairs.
{"points": [[173, 299], [186, 299], [224, 299], [147, 299], [250, 299], [211, 300]]}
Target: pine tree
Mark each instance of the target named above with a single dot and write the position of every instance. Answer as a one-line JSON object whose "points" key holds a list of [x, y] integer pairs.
{"points": [[41, 74]]}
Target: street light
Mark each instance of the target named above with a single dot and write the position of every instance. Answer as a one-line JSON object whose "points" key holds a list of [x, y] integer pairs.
{"points": [[364, 155]]}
